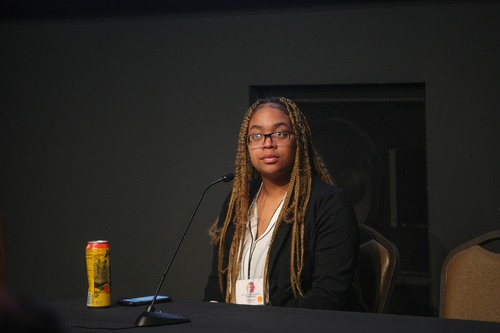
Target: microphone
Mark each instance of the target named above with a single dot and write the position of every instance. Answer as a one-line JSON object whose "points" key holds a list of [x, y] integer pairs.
{"points": [[152, 318]]}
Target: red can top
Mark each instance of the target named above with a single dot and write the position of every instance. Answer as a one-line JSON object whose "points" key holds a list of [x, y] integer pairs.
{"points": [[97, 244]]}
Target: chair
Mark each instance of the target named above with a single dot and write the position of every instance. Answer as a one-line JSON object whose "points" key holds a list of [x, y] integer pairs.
{"points": [[470, 281], [378, 265]]}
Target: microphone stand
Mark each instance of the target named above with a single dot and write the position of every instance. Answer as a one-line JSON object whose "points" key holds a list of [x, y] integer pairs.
{"points": [[152, 318]]}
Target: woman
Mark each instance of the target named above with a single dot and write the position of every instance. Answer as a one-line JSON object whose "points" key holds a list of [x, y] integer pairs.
{"points": [[285, 237]]}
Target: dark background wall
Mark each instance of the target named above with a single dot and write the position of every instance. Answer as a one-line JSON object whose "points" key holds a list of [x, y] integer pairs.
{"points": [[110, 127]]}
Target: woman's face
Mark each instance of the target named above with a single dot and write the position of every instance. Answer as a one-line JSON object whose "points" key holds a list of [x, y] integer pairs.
{"points": [[273, 158]]}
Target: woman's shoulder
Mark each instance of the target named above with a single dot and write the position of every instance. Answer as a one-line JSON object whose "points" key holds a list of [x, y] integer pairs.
{"points": [[321, 191], [320, 187], [327, 198]]}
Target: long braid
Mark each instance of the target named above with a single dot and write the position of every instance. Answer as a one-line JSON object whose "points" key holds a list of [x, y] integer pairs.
{"points": [[307, 163], [300, 186]]}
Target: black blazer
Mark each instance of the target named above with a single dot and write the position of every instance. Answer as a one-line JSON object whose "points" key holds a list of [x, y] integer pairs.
{"points": [[330, 255]]}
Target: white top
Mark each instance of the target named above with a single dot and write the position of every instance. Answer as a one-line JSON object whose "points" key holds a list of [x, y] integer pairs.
{"points": [[255, 250]]}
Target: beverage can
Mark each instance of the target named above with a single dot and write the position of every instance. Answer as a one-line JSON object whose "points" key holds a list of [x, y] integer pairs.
{"points": [[98, 256]]}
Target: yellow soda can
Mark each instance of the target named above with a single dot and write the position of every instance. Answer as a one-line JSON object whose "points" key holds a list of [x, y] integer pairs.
{"points": [[98, 256]]}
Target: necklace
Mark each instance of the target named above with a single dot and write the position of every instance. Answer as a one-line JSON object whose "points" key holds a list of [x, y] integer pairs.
{"points": [[264, 237], [262, 213]]}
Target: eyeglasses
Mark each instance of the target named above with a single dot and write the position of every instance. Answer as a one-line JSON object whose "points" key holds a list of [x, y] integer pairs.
{"points": [[258, 139]]}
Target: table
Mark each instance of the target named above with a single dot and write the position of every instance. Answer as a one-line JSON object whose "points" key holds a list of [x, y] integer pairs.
{"points": [[217, 317]]}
